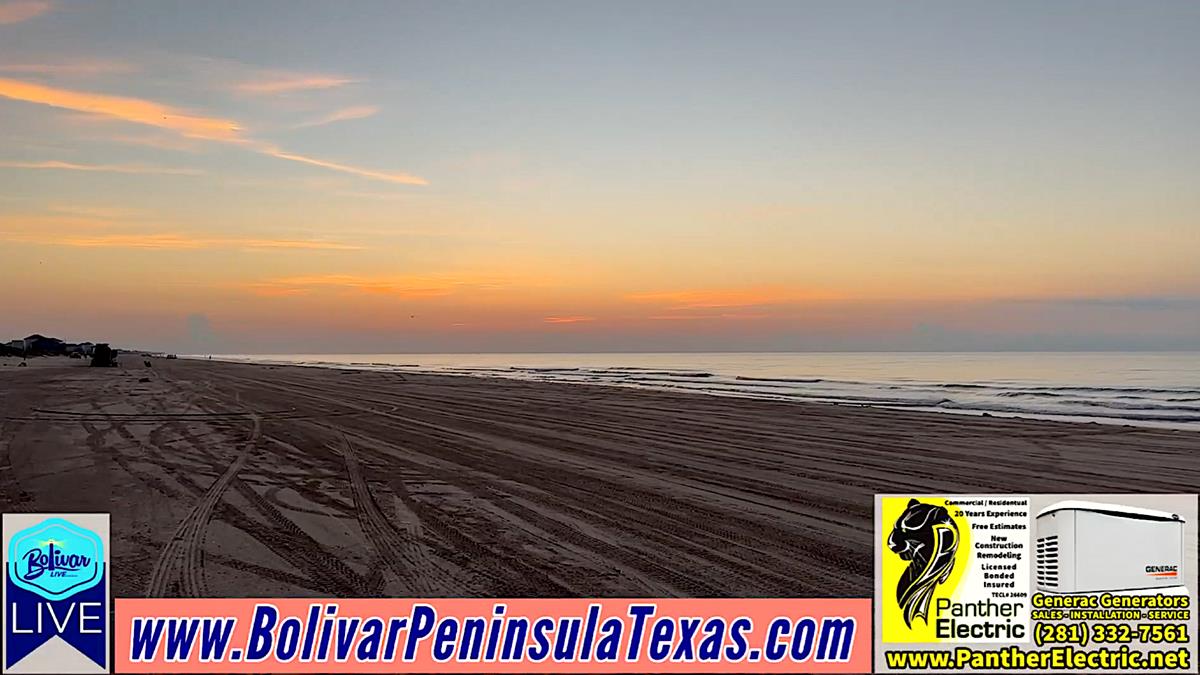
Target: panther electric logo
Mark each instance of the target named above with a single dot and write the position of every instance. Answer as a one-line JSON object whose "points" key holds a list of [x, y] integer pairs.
{"points": [[927, 537], [56, 593]]}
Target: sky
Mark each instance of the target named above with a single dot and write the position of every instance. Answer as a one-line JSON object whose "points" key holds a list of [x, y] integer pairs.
{"points": [[271, 177]]}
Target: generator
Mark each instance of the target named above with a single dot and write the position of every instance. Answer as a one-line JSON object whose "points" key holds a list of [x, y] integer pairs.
{"points": [[1090, 547]]}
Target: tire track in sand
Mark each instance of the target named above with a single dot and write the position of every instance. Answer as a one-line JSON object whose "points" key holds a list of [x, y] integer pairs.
{"points": [[184, 549], [302, 551], [406, 558], [13, 498], [485, 566]]}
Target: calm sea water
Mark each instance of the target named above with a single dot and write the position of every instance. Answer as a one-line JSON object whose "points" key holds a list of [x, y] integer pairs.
{"points": [[1158, 389]]}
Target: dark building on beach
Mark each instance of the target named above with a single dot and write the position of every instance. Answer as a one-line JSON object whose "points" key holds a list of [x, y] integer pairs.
{"points": [[41, 345]]}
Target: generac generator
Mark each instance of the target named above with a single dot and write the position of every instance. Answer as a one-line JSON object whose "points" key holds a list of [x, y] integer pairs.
{"points": [[1089, 547]]}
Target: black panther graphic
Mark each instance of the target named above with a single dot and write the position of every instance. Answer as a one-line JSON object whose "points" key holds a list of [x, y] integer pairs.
{"points": [[926, 535]]}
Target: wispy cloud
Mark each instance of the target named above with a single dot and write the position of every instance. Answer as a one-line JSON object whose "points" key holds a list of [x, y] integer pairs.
{"points": [[102, 212], [106, 168], [71, 68], [23, 10], [728, 297], [708, 317], [385, 196], [151, 113], [305, 244], [568, 319], [30, 226], [351, 113], [402, 178], [136, 110], [408, 287], [286, 83], [170, 241], [401, 286], [1122, 302], [105, 226]]}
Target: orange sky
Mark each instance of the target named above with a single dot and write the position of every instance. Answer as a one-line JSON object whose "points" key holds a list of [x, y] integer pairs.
{"points": [[625, 194]]}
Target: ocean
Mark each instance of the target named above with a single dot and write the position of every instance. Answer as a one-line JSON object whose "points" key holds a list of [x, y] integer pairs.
{"points": [[1137, 388]]}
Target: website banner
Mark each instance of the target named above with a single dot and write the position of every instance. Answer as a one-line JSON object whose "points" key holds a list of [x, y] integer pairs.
{"points": [[297, 635], [1035, 583]]}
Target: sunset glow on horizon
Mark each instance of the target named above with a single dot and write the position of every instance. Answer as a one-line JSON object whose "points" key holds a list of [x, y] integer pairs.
{"points": [[271, 177]]}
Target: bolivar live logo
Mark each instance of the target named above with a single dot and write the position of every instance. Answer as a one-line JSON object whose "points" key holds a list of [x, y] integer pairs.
{"points": [[56, 593]]}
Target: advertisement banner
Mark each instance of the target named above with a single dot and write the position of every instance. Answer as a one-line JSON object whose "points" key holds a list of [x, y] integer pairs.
{"points": [[484, 635], [1032, 583]]}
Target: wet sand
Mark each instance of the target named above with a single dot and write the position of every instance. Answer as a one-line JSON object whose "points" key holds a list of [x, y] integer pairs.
{"points": [[247, 480]]}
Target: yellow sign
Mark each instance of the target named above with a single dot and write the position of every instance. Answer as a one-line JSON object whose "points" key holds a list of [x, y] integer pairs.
{"points": [[926, 549]]}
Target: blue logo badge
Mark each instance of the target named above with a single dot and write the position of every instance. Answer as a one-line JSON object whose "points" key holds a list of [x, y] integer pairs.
{"points": [[56, 559]]}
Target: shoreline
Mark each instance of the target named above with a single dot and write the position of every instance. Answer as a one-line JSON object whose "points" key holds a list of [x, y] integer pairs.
{"points": [[768, 388], [352, 483]]}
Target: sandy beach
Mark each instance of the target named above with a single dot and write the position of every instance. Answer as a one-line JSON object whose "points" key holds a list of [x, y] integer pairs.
{"points": [[248, 480]]}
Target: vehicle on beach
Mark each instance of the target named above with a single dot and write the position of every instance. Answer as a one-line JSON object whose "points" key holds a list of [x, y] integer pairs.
{"points": [[104, 356]]}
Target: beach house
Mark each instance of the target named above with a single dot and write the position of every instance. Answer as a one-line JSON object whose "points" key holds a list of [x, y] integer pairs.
{"points": [[40, 344]]}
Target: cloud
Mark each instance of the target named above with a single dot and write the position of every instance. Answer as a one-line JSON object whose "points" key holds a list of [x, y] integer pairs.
{"points": [[282, 84], [150, 241], [1122, 302], [407, 287], [23, 10], [352, 113], [403, 286], [310, 244], [106, 168], [728, 297], [402, 178], [358, 194], [169, 241], [73, 68], [139, 111], [27, 226], [151, 113], [568, 319], [101, 212], [707, 317], [102, 226]]}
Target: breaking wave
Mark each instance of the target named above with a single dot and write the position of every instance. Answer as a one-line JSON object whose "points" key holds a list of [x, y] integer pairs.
{"points": [[1169, 396]]}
